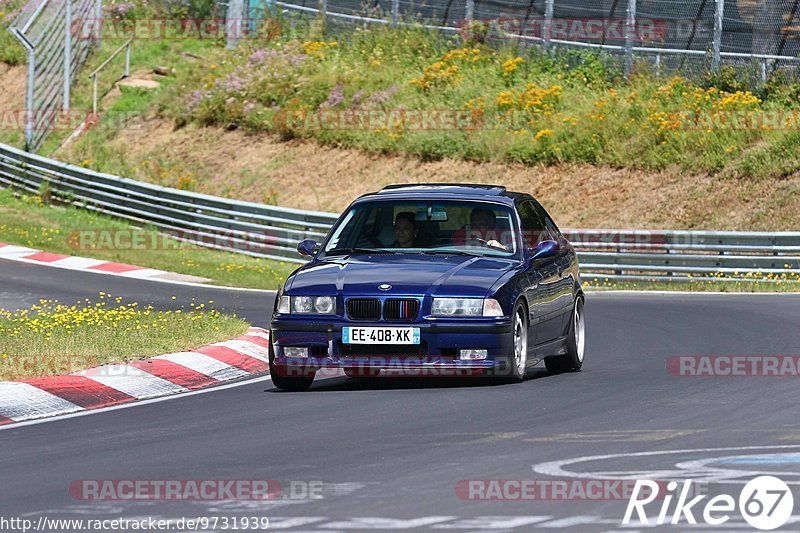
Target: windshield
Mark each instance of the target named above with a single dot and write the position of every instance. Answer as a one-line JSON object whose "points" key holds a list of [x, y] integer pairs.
{"points": [[463, 227]]}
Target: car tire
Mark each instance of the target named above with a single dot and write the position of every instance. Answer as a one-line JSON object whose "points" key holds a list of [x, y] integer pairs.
{"points": [[517, 362], [293, 384], [572, 361]]}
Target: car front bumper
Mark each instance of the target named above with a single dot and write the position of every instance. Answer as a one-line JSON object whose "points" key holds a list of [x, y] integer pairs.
{"points": [[437, 354]]}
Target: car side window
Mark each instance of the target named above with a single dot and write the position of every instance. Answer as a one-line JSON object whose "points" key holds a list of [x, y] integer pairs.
{"points": [[533, 225], [549, 229]]}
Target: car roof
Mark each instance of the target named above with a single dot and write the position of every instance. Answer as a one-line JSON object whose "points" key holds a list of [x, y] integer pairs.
{"points": [[442, 191]]}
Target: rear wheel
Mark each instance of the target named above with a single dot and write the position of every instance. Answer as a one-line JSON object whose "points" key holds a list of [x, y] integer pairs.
{"points": [[572, 361]]}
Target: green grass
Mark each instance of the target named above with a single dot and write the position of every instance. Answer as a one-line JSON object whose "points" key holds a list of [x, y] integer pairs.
{"points": [[54, 338], [26, 221], [11, 51], [517, 105], [785, 285]]}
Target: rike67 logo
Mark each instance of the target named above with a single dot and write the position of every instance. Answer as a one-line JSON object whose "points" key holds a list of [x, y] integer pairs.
{"points": [[766, 503]]}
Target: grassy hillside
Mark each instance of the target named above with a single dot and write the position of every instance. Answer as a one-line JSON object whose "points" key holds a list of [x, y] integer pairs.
{"points": [[410, 91]]}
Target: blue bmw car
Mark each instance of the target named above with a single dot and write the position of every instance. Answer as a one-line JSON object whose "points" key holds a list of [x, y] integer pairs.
{"points": [[433, 279]]}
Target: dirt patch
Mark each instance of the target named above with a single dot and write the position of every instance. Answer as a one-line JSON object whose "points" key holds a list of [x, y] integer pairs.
{"points": [[307, 175], [12, 87], [136, 83]]}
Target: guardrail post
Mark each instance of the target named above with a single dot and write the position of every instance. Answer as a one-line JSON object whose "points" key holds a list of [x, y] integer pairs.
{"points": [[67, 53], [718, 20], [323, 11], [547, 30], [128, 60], [395, 11], [94, 94], [98, 22], [233, 23], [29, 116], [630, 36]]}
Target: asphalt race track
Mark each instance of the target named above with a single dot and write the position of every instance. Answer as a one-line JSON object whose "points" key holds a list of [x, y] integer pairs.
{"points": [[390, 453]]}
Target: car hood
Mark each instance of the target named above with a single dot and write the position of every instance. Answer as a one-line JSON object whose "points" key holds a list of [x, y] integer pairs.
{"points": [[408, 274]]}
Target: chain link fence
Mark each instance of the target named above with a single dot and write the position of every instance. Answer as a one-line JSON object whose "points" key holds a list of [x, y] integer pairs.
{"points": [[756, 37], [55, 53]]}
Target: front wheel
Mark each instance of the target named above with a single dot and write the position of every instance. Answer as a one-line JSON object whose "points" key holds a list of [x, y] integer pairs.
{"points": [[572, 361], [294, 384], [518, 362]]}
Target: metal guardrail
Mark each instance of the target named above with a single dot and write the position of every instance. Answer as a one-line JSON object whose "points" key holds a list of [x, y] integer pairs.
{"points": [[273, 232], [221, 223]]}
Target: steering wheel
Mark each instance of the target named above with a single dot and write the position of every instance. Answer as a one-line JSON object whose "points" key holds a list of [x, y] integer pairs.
{"points": [[485, 243]]}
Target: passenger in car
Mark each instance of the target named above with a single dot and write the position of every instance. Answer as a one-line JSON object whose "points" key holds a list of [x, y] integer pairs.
{"points": [[405, 230], [482, 228]]}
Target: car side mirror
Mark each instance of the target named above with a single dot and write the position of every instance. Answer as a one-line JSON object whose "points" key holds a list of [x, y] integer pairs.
{"points": [[544, 250], [308, 248]]}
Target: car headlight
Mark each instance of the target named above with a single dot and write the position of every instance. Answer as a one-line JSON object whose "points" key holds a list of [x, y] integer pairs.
{"points": [[324, 305], [457, 306], [320, 305]]}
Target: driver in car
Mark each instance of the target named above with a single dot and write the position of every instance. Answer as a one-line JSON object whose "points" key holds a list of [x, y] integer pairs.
{"points": [[481, 229], [405, 230]]}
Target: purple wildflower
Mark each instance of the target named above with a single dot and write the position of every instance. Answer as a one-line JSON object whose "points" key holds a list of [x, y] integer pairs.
{"points": [[335, 98], [234, 83], [195, 98], [381, 97], [120, 10], [358, 97], [248, 107], [261, 56]]}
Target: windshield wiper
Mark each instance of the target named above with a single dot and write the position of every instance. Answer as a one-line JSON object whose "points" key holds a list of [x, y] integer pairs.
{"points": [[452, 252], [357, 250]]}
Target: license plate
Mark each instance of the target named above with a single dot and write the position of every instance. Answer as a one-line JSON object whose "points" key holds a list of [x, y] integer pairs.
{"points": [[358, 335]]}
